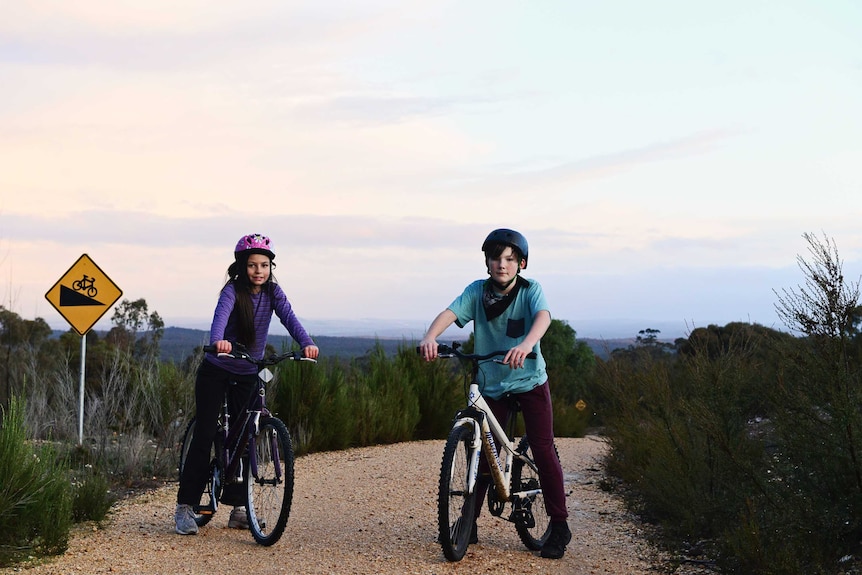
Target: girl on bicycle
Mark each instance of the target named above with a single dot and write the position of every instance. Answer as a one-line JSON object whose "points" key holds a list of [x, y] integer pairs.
{"points": [[242, 315], [510, 312]]}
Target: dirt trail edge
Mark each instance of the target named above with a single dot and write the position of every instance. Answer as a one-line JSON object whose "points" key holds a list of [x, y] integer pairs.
{"points": [[364, 511]]}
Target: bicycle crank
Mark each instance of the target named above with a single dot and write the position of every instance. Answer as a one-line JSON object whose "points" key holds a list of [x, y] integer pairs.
{"points": [[523, 516]]}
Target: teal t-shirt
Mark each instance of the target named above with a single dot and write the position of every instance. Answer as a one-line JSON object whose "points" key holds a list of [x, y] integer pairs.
{"points": [[503, 333]]}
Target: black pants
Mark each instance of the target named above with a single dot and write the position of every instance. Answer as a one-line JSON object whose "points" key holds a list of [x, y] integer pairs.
{"points": [[210, 386]]}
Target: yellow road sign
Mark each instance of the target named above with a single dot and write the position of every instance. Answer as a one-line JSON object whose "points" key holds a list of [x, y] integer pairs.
{"points": [[83, 294]]}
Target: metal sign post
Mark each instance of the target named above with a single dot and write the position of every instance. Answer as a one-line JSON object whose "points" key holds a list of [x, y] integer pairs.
{"points": [[81, 391], [82, 296]]}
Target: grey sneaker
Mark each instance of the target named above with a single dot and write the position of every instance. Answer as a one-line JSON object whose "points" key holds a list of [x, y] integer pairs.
{"points": [[238, 518], [184, 517]]}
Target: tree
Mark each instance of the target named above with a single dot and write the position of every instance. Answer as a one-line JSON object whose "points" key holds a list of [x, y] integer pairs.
{"points": [[128, 319], [826, 305], [570, 360], [648, 336], [17, 335]]}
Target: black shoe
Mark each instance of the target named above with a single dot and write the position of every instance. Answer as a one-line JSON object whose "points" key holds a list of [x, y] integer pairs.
{"points": [[555, 546]]}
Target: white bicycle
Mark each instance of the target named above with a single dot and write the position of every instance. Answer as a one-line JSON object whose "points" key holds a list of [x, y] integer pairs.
{"points": [[514, 478]]}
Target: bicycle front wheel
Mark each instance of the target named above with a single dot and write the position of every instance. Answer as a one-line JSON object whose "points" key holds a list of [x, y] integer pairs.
{"points": [[455, 503], [270, 481], [529, 513]]}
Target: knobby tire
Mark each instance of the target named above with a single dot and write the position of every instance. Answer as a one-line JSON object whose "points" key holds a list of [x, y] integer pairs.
{"points": [[269, 494], [455, 506], [535, 532]]}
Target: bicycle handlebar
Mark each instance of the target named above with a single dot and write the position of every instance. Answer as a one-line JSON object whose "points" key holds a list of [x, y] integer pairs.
{"points": [[238, 352], [445, 351]]}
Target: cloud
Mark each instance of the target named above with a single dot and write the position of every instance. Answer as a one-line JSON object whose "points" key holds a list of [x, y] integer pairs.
{"points": [[380, 109], [605, 165], [138, 228]]}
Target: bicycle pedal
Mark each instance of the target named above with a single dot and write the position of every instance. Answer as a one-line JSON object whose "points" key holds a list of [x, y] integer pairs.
{"points": [[495, 505], [523, 517]]}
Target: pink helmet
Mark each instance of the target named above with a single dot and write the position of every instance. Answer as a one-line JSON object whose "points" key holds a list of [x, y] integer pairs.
{"points": [[254, 244]]}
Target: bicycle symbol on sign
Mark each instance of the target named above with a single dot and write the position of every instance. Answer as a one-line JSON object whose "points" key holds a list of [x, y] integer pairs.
{"points": [[85, 284]]}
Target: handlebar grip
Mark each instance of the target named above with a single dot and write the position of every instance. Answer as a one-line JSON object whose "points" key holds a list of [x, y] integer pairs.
{"points": [[236, 348], [442, 348]]}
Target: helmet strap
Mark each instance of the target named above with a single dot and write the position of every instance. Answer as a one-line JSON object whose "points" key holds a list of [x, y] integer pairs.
{"points": [[501, 287]]}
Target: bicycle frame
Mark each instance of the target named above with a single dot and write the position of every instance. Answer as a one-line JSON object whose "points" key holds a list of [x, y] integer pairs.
{"points": [[487, 434], [233, 443], [240, 438]]}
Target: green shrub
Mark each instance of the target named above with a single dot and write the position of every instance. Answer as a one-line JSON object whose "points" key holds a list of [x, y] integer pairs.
{"points": [[92, 497], [751, 440], [681, 439], [438, 388], [386, 403], [35, 494], [317, 405], [569, 420]]}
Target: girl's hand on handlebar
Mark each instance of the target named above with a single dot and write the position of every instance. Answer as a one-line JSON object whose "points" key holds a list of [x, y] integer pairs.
{"points": [[310, 351], [516, 356], [223, 346]]}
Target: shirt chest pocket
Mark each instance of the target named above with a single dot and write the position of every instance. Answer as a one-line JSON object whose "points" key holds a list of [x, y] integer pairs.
{"points": [[515, 328]]}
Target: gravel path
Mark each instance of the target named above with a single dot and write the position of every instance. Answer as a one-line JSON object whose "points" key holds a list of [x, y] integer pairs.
{"points": [[364, 511]]}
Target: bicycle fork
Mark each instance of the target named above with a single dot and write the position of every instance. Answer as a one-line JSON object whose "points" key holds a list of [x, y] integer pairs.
{"points": [[483, 441]]}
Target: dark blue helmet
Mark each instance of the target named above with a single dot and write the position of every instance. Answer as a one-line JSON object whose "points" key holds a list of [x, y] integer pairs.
{"points": [[509, 238]]}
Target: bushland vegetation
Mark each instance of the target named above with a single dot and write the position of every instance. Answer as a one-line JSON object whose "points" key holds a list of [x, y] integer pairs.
{"points": [[743, 444]]}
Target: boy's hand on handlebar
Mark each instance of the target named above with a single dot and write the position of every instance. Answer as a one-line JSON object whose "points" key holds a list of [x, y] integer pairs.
{"points": [[310, 351], [428, 349], [516, 356]]}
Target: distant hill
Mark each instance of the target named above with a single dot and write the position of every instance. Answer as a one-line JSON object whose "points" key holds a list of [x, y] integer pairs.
{"points": [[178, 343]]}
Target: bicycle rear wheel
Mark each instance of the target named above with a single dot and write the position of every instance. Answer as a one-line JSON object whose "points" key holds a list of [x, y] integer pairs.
{"points": [[205, 510], [529, 514], [455, 505], [270, 481]]}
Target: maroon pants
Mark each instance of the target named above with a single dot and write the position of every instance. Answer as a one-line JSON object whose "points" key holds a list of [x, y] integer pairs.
{"points": [[539, 427]]}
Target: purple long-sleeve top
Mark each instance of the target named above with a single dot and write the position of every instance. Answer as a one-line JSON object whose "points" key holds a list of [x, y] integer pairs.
{"points": [[224, 325]]}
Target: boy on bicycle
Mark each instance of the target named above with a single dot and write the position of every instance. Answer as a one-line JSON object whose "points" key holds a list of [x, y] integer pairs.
{"points": [[510, 312]]}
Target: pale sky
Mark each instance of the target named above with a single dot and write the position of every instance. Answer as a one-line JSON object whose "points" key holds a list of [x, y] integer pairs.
{"points": [[662, 158]]}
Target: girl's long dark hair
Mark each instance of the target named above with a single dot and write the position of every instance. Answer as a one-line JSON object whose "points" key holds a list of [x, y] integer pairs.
{"points": [[243, 311]]}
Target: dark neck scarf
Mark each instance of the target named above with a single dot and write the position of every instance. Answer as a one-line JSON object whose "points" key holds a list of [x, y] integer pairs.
{"points": [[494, 303]]}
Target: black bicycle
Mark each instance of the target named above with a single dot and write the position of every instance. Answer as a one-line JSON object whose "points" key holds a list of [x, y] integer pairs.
{"points": [[256, 450]]}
